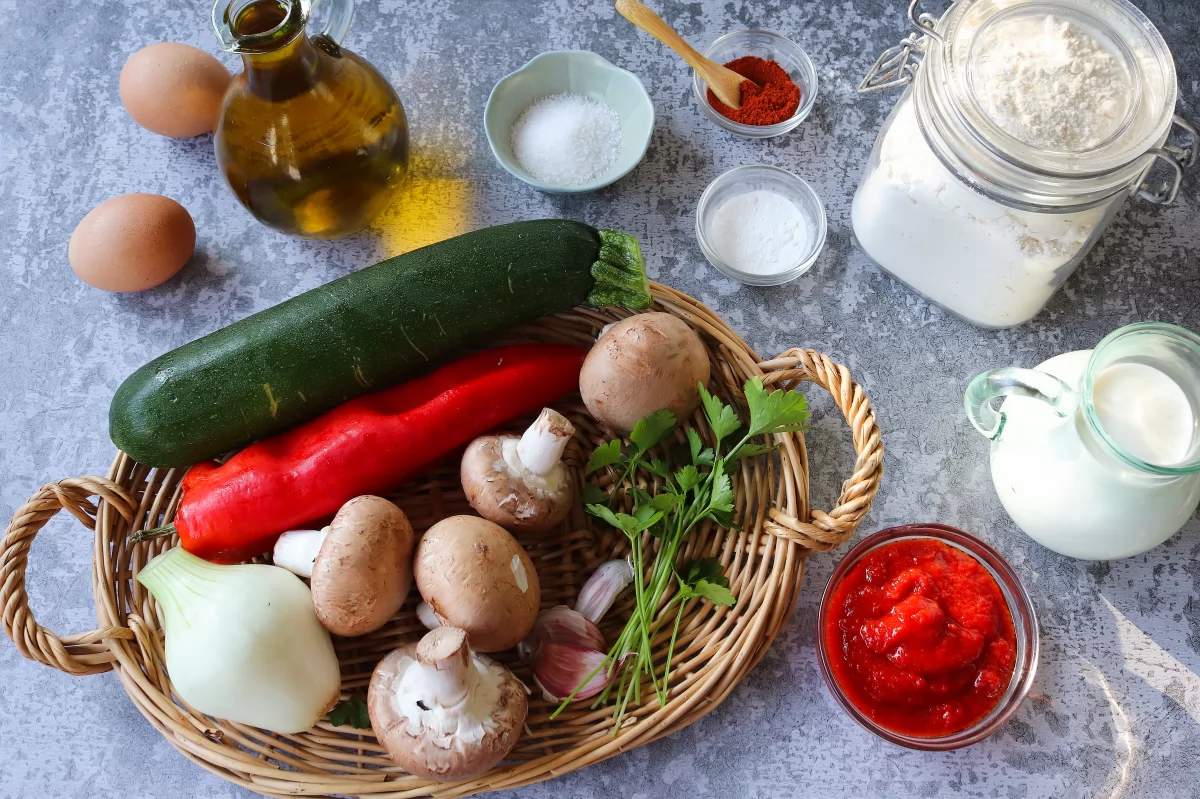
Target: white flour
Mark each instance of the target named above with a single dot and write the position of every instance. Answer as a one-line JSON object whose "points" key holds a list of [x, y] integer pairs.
{"points": [[1048, 83], [992, 265], [1045, 81], [759, 232]]}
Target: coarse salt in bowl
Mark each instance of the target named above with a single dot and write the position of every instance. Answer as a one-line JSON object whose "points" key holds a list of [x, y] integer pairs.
{"points": [[760, 178], [567, 139], [578, 72]]}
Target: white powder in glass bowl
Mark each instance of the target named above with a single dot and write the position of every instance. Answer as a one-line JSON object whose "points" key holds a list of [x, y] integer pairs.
{"points": [[567, 139], [759, 232]]}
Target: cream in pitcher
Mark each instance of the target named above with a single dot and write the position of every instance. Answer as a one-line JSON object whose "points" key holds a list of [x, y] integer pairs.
{"points": [[1096, 453]]}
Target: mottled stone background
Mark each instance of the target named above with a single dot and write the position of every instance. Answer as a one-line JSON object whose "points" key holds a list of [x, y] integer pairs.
{"points": [[1115, 710]]}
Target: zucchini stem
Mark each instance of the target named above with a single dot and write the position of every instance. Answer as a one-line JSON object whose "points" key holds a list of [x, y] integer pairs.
{"points": [[620, 274]]}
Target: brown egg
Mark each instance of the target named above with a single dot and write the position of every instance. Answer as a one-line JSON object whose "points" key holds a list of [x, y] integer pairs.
{"points": [[132, 242], [174, 89]]}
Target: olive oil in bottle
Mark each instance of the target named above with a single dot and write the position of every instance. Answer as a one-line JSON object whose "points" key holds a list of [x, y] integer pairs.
{"points": [[311, 138]]}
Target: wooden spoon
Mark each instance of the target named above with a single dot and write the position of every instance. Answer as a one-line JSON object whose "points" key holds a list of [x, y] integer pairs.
{"points": [[725, 83]]}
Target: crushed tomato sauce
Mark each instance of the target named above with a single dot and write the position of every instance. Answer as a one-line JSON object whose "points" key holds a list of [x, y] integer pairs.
{"points": [[919, 638]]}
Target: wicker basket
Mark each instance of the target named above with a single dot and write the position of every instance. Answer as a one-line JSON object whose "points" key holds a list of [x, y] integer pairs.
{"points": [[717, 646]]}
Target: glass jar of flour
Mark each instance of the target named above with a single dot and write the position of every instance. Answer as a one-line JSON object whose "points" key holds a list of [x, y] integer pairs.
{"points": [[1021, 134]]}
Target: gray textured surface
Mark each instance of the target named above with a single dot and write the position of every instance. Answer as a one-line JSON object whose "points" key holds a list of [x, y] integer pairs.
{"points": [[1116, 706]]}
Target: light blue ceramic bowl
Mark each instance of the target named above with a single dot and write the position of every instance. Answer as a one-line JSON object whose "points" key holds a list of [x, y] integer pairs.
{"points": [[579, 72]]}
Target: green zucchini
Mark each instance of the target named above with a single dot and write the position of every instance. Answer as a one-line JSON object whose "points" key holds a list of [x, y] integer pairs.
{"points": [[365, 331]]}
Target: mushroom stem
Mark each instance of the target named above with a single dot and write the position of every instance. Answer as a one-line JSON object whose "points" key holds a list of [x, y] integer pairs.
{"points": [[427, 617], [541, 447], [446, 662], [296, 550]]}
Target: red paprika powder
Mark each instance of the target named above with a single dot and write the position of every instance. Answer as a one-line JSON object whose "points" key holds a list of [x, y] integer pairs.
{"points": [[770, 98]]}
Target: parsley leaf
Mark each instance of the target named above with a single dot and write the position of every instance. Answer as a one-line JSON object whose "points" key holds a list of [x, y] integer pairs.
{"points": [[605, 455], [716, 594], [724, 518], [666, 502], [749, 451], [657, 466], [721, 417], [651, 430], [775, 411], [687, 478], [704, 579], [607, 515], [592, 495], [645, 516], [704, 569], [722, 491], [352, 711]]}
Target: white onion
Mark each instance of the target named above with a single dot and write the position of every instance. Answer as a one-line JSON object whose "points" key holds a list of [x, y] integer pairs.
{"points": [[243, 642]]}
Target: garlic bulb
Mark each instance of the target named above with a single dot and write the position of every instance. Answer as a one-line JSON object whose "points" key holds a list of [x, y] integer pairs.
{"points": [[243, 642]]}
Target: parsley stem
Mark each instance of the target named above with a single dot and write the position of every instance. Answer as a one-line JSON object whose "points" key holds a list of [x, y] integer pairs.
{"points": [[674, 634]]}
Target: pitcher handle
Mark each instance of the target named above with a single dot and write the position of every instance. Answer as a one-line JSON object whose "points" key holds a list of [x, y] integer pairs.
{"points": [[341, 13], [1009, 382]]}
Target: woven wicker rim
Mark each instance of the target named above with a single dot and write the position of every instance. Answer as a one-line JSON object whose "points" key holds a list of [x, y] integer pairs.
{"points": [[717, 647]]}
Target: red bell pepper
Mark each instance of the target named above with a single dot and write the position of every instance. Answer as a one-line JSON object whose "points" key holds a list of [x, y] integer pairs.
{"points": [[234, 511]]}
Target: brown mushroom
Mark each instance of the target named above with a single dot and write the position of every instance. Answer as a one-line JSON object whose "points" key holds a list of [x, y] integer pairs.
{"points": [[360, 566], [475, 576], [520, 483], [642, 364], [443, 712]]}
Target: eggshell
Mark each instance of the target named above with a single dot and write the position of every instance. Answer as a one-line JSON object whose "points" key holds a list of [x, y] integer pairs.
{"points": [[132, 242], [174, 89]]}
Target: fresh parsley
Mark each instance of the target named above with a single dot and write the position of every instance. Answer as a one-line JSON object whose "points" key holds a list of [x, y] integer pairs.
{"points": [[353, 712], [693, 485]]}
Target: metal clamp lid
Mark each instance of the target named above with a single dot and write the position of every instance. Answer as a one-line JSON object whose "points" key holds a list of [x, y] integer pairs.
{"points": [[897, 66], [1179, 158]]}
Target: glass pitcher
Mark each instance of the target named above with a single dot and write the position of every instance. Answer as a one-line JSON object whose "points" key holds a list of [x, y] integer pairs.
{"points": [[1096, 453], [311, 138]]}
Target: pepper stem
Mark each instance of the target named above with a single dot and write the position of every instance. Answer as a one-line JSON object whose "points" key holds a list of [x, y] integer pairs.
{"points": [[153, 532]]}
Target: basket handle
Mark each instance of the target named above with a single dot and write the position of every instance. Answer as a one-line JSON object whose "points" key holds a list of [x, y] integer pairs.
{"points": [[828, 530], [84, 653]]}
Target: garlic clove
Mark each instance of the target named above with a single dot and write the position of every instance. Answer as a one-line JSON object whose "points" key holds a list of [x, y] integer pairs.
{"points": [[558, 669], [603, 587], [560, 625]]}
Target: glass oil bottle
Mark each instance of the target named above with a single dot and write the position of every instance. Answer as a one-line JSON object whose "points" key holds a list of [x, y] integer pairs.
{"points": [[311, 139]]}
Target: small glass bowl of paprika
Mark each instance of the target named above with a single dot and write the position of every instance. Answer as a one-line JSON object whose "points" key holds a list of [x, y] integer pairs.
{"points": [[751, 49], [927, 637]]}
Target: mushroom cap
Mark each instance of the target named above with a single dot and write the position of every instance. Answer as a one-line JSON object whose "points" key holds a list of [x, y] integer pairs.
{"points": [[417, 750], [642, 364], [530, 504], [476, 576], [364, 568]]}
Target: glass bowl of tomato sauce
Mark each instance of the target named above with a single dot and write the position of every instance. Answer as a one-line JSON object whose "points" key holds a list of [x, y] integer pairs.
{"points": [[927, 637]]}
